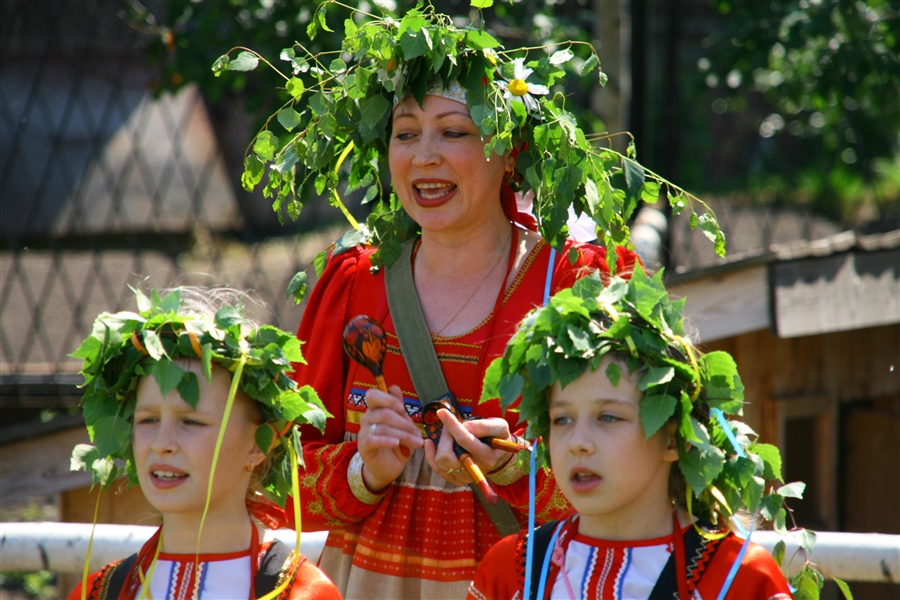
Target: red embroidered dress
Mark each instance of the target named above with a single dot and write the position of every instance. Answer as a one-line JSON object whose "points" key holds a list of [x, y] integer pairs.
{"points": [[601, 569], [423, 537], [227, 576]]}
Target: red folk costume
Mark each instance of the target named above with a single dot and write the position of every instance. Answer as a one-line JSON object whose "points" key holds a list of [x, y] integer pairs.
{"points": [[219, 576], [423, 537], [601, 569]]}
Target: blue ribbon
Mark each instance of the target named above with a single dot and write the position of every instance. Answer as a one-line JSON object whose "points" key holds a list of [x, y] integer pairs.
{"points": [[737, 562], [720, 417], [529, 551]]}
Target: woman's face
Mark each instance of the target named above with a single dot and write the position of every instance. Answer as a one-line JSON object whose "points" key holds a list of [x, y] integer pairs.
{"points": [[438, 166], [174, 445]]}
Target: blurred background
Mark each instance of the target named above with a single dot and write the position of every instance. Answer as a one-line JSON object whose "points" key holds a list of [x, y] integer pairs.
{"points": [[121, 158]]}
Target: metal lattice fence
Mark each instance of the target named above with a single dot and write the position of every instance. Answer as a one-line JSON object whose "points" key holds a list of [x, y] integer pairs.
{"points": [[104, 186]]}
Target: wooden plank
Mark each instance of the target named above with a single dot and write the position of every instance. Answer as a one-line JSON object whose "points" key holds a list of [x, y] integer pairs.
{"points": [[40, 466], [726, 305], [836, 293]]}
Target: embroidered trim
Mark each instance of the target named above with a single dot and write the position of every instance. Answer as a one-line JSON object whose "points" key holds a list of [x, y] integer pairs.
{"points": [[316, 478], [358, 486], [458, 358], [476, 593], [525, 267], [510, 473]]}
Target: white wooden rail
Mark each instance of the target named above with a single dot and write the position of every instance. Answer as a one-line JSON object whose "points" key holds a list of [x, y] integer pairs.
{"points": [[62, 547]]}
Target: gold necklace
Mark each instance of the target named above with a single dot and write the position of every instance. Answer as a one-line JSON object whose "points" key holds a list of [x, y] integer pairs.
{"points": [[480, 285]]}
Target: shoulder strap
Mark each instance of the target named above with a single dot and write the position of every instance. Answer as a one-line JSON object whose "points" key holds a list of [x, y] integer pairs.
{"points": [[117, 578], [422, 361], [412, 332], [272, 564], [542, 537]]}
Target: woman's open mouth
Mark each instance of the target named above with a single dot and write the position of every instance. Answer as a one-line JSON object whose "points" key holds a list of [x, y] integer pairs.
{"points": [[433, 193]]}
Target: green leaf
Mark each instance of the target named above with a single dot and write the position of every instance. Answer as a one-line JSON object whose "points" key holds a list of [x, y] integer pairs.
{"points": [[189, 389], [709, 226], [634, 178], [805, 538], [228, 316], [83, 457], [806, 587], [320, 261], [770, 505], [778, 552], [771, 457], [245, 61], [153, 344], [295, 88], [655, 412], [320, 16], [168, 375], [253, 172], [510, 387], [590, 64], [111, 435], [491, 387], [561, 57], [845, 589], [592, 195], [480, 40], [481, 4], [206, 361], [289, 118], [264, 436], [792, 490], [613, 373], [656, 376], [350, 239], [266, 145], [297, 287], [372, 109]]}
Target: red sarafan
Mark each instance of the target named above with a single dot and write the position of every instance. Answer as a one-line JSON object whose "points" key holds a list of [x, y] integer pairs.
{"points": [[364, 342]]}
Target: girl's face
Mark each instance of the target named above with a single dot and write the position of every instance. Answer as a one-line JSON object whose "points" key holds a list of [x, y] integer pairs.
{"points": [[615, 479], [438, 167], [174, 445]]}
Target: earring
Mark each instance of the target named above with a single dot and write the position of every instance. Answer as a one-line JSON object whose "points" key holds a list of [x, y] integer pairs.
{"points": [[249, 466]]}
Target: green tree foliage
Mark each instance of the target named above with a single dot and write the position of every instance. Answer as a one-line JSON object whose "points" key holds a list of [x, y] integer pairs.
{"points": [[830, 69]]}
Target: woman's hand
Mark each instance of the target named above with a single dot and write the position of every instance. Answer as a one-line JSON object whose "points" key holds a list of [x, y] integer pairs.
{"points": [[444, 460], [383, 431]]}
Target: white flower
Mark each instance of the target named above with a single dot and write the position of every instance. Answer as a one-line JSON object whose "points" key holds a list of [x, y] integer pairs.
{"points": [[519, 90]]}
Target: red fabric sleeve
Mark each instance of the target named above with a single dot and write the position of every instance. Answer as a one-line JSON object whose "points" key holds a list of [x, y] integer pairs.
{"points": [[757, 577], [499, 575], [327, 456], [310, 583]]}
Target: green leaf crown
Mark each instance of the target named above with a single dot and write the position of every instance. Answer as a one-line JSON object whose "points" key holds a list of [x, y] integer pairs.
{"points": [[635, 321], [125, 346], [336, 123]]}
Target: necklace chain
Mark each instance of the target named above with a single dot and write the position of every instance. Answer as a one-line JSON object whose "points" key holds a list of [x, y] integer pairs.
{"points": [[475, 291]]}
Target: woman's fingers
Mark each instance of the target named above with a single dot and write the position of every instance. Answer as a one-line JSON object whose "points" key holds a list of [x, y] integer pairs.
{"points": [[387, 414], [449, 467], [466, 435]]}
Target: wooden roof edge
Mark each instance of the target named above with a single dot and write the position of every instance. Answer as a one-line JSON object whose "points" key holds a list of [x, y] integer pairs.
{"points": [[827, 246]]}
